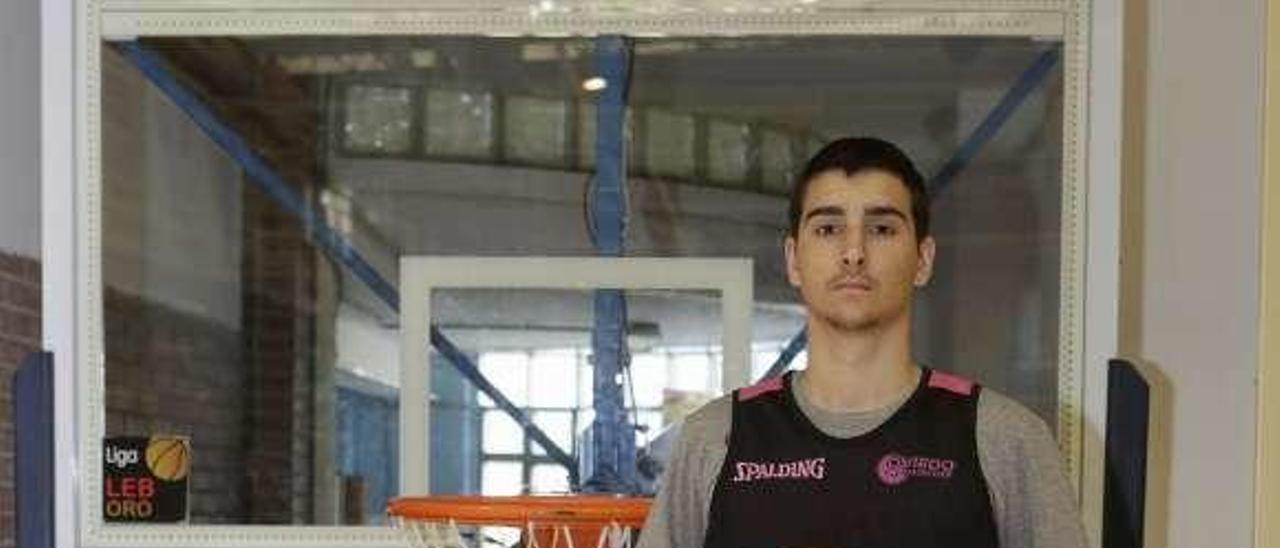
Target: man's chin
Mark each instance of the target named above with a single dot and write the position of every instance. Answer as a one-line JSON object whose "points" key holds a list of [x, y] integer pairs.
{"points": [[853, 323]]}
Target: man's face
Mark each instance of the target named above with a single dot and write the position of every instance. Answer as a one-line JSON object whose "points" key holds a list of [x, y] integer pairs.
{"points": [[854, 256]]}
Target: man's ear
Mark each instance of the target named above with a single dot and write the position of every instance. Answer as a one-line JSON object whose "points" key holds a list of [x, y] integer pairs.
{"points": [[789, 249], [928, 248]]}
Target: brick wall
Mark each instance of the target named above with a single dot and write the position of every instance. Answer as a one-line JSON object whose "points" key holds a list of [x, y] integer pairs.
{"points": [[279, 281], [170, 372], [243, 394], [19, 336]]}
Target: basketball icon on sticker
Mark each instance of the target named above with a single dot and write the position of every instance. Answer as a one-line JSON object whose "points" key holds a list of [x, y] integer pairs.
{"points": [[168, 458]]}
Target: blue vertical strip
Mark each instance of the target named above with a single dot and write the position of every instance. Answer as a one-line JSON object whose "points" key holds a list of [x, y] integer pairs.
{"points": [[613, 445], [33, 443], [262, 175], [1027, 82]]}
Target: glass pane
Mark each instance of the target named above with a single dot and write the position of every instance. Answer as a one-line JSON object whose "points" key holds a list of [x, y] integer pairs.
{"points": [[501, 434], [586, 373], [586, 135], [728, 150], [549, 478], [652, 424], [459, 123], [669, 144], [649, 373], [536, 130], [558, 425], [509, 373], [286, 347], [777, 165], [552, 378], [501, 478], [378, 119], [691, 371]]}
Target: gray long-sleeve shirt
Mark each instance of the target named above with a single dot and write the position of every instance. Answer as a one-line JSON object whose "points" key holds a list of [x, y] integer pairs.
{"points": [[1033, 501]]}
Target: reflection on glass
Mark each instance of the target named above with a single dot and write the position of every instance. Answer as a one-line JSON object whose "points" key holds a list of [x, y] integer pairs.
{"points": [[651, 425], [501, 478], [558, 425], [459, 123], [669, 144], [777, 166], [535, 130], [549, 478], [691, 371], [508, 371], [290, 362], [649, 373], [585, 387], [501, 434], [727, 152], [553, 382], [586, 135], [378, 119]]}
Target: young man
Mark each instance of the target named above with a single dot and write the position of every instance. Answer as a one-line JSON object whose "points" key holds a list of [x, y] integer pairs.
{"points": [[864, 448]]}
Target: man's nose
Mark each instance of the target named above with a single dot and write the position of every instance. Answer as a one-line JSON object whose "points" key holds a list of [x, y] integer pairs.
{"points": [[853, 254]]}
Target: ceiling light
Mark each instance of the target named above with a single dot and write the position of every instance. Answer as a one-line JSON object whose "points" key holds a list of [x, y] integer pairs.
{"points": [[594, 84]]}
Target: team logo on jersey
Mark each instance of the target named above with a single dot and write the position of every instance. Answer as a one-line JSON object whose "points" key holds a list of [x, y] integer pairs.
{"points": [[895, 469], [811, 469]]}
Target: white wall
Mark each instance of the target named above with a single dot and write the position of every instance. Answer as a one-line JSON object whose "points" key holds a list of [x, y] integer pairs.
{"points": [[1192, 255], [20, 127]]}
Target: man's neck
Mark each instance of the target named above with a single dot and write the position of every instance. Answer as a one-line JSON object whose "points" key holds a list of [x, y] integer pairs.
{"points": [[858, 370]]}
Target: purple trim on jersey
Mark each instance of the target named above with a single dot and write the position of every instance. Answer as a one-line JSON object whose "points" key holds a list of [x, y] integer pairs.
{"points": [[951, 383], [762, 387]]}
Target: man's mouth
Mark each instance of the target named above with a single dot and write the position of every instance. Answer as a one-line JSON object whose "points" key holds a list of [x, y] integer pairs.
{"points": [[857, 284]]}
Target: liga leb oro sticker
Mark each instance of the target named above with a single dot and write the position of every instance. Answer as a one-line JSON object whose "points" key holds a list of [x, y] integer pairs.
{"points": [[145, 479]]}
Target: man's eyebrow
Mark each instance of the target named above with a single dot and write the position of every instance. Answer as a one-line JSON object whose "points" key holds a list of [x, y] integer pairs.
{"points": [[824, 210], [883, 211]]}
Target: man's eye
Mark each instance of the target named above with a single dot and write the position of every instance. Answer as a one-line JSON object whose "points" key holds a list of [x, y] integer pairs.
{"points": [[882, 230], [825, 230]]}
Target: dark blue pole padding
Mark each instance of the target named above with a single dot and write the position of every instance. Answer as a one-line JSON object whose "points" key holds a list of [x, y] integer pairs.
{"points": [[33, 445], [278, 188], [613, 445], [608, 188], [1125, 485]]}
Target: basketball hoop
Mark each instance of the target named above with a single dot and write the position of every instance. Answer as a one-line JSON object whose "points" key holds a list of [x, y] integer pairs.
{"points": [[569, 521]]}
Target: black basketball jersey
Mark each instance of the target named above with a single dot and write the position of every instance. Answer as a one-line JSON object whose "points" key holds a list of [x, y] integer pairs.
{"points": [[913, 482]]}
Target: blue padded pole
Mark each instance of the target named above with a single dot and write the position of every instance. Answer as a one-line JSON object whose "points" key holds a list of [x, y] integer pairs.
{"points": [[278, 189], [613, 443], [33, 444]]}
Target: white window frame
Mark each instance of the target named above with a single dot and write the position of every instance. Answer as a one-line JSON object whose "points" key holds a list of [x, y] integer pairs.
{"points": [[72, 31], [420, 275]]}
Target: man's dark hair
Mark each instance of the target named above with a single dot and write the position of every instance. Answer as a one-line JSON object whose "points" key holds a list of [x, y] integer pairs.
{"points": [[853, 155]]}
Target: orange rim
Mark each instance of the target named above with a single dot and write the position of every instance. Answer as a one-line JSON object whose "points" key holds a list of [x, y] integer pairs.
{"points": [[566, 510]]}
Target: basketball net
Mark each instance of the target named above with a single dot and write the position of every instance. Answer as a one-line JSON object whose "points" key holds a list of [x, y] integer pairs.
{"points": [[465, 521], [445, 534]]}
